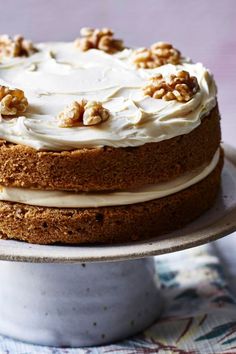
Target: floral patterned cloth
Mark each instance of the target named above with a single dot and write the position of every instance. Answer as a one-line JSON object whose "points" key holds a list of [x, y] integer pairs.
{"points": [[199, 315]]}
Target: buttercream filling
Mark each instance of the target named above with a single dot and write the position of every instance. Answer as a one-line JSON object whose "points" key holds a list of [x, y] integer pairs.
{"points": [[59, 74], [62, 199]]}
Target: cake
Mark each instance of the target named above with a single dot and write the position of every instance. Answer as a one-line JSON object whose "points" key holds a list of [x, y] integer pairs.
{"points": [[104, 144]]}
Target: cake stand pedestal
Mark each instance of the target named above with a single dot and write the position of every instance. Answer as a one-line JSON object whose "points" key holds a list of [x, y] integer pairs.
{"points": [[92, 295], [77, 304]]}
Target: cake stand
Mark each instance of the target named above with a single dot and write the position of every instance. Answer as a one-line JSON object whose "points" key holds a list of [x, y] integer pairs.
{"points": [[92, 295]]}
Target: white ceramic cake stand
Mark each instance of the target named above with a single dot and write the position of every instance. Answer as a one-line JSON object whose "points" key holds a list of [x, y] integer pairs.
{"points": [[91, 295]]}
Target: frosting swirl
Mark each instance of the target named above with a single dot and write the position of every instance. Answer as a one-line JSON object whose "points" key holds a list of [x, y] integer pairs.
{"points": [[59, 74]]}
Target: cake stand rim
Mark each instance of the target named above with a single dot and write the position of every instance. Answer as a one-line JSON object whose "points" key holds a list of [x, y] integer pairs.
{"points": [[20, 251]]}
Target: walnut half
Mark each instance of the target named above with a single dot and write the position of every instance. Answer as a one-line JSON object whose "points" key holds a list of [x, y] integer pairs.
{"points": [[180, 87], [83, 112], [99, 39], [158, 54], [12, 101], [15, 47], [72, 115], [94, 113]]}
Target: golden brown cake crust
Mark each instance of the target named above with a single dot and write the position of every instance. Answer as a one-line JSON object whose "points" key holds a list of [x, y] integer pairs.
{"points": [[110, 168], [109, 224]]}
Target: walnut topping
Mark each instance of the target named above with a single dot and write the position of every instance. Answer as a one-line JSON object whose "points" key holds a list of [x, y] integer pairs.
{"points": [[158, 54], [15, 47], [180, 87], [12, 101], [72, 114], [99, 39], [83, 112], [94, 113]]}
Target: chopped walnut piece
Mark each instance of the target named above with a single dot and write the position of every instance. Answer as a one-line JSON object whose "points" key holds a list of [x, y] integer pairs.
{"points": [[83, 112], [12, 101], [180, 87], [158, 54], [15, 47], [99, 39]]}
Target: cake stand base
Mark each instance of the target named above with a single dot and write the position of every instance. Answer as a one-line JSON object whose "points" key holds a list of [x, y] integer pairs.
{"points": [[77, 304]]}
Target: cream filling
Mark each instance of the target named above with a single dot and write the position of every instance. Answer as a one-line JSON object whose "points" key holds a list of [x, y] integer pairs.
{"points": [[60, 199], [59, 74]]}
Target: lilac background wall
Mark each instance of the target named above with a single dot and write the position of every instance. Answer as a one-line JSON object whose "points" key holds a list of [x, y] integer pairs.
{"points": [[203, 29]]}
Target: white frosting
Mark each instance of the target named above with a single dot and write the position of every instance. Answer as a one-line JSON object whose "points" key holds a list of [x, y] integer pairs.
{"points": [[62, 199], [59, 74]]}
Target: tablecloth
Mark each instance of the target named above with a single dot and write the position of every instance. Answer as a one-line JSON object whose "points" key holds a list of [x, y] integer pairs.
{"points": [[199, 314]]}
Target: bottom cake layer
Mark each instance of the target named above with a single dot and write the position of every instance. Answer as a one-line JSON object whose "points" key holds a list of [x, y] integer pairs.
{"points": [[44, 225]]}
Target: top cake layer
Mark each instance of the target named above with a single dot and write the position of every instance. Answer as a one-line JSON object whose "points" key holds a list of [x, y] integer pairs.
{"points": [[60, 73]]}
